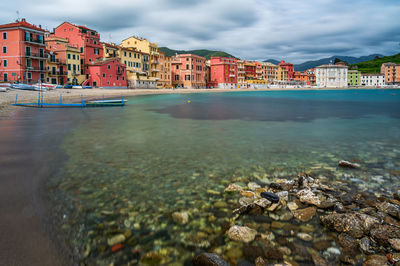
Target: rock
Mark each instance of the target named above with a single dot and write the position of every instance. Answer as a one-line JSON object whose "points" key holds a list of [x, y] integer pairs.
{"points": [[326, 204], [347, 164], [151, 258], [367, 221], [388, 208], [213, 192], [248, 194], [251, 208], [365, 244], [253, 252], [180, 217], [253, 186], [318, 260], [233, 188], [307, 196], [292, 206], [245, 201], [321, 245], [270, 196], [287, 216], [242, 233], [273, 253], [382, 233], [347, 222], [283, 195], [305, 215], [333, 251], [304, 236], [220, 204], [208, 259], [260, 262], [395, 243], [347, 258], [263, 203], [375, 260], [347, 242], [273, 207], [116, 239]]}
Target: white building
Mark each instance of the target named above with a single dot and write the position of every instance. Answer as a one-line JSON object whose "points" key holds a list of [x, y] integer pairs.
{"points": [[331, 76], [372, 80]]}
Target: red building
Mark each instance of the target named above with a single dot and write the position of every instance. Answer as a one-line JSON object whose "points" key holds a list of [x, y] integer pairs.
{"points": [[22, 54], [250, 70], [288, 67], [223, 72], [307, 77], [107, 73], [87, 40], [189, 71]]}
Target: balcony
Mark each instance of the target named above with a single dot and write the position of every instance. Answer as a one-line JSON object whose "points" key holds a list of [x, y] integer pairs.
{"points": [[37, 42], [42, 56], [35, 69], [155, 70], [74, 73], [232, 75]]}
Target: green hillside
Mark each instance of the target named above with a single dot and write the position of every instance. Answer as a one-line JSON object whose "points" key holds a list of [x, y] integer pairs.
{"points": [[203, 52], [374, 65]]}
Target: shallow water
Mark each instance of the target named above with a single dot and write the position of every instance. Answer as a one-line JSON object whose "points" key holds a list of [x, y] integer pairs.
{"points": [[130, 168]]}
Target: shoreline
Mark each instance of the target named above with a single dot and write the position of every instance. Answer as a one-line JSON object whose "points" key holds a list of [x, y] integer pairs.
{"points": [[7, 98]]}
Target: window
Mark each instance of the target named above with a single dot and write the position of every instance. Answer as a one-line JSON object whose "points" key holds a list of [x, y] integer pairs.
{"points": [[77, 57], [187, 77], [4, 49], [187, 66], [5, 77], [124, 53], [176, 77], [29, 75], [104, 75], [73, 57], [74, 68], [69, 56], [95, 42], [5, 63], [108, 67], [96, 51], [4, 35], [69, 67], [81, 49]]}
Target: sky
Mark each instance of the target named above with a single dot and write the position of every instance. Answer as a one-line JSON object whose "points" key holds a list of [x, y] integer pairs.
{"points": [[292, 30]]}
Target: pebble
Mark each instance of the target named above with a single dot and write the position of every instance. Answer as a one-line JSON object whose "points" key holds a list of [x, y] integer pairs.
{"points": [[375, 260], [306, 214], [263, 203], [292, 206], [270, 196], [347, 164], [395, 243], [283, 195], [253, 186], [180, 217], [307, 196], [242, 233], [208, 259], [248, 194], [233, 188], [116, 239], [304, 236]]}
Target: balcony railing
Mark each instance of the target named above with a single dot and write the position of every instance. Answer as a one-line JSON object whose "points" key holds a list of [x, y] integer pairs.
{"points": [[37, 55], [30, 68], [40, 42]]}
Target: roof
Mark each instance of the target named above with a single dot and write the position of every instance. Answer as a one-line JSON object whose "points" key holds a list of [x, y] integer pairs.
{"points": [[332, 66], [390, 64], [78, 26], [21, 23], [103, 61], [372, 74]]}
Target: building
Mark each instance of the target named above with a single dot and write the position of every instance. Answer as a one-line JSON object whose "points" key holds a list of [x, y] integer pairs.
{"points": [[86, 40], [331, 76], [149, 48], [223, 72], [250, 70], [22, 56], [353, 78], [289, 68], [189, 71], [107, 73], [282, 74], [241, 77], [372, 80], [68, 60], [391, 72], [164, 75]]}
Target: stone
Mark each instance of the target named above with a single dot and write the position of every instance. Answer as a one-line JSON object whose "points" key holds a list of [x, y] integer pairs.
{"points": [[270, 196], [220, 204], [365, 245], [116, 239], [307, 196], [347, 164], [242, 233], [268, 236], [388, 208], [273, 207], [151, 258], [253, 186], [382, 233], [180, 217], [367, 221], [248, 194], [263, 203], [283, 195], [395, 243], [252, 252], [321, 245], [245, 201], [233, 188], [287, 216], [375, 260], [213, 192], [305, 214], [285, 251], [273, 253], [347, 258], [318, 260], [208, 259], [292, 206], [347, 242], [304, 236], [260, 262], [347, 222]]}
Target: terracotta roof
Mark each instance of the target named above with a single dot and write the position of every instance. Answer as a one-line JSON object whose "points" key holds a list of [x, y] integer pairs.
{"points": [[103, 61], [21, 23]]}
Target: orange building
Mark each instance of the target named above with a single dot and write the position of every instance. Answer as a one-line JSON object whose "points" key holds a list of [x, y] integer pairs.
{"points": [[23, 52], [391, 72], [189, 71], [307, 77]]}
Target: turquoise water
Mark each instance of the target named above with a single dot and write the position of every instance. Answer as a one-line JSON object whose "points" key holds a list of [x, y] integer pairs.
{"points": [[129, 169]]}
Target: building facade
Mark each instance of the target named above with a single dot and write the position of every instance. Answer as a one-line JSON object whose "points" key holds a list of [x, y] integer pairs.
{"points": [[250, 70], [241, 77], [223, 72], [391, 72], [189, 71], [107, 73], [22, 55], [164, 75], [282, 74], [353, 77], [56, 70], [373, 80], [289, 68], [331, 76]]}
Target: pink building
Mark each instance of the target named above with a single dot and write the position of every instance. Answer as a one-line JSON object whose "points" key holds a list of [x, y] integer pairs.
{"points": [[223, 72], [22, 52], [189, 71], [87, 40], [289, 68], [107, 73]]}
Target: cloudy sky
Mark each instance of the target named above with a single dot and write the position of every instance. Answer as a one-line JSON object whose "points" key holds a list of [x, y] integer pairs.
{"points": [[294, 30]]}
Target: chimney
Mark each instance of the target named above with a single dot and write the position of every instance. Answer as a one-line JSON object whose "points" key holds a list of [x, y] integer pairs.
{"points": [[40, 26], [23, 20]]}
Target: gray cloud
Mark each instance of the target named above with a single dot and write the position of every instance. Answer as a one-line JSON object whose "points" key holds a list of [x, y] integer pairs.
{"points": [[252, 29]]}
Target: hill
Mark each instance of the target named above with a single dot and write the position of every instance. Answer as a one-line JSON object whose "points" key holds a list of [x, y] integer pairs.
{"points": [[202, 52], [324, 61], [374, 65], [273, 61]]}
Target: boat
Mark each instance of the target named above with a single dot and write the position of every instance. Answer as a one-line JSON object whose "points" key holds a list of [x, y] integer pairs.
{"points": [[113, 102], [3, 89], [45, 86], [20, 86]]}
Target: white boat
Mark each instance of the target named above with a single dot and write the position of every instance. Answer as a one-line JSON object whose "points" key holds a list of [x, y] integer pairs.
{"points": [[109, 101], [3, 89], [20, 86]]}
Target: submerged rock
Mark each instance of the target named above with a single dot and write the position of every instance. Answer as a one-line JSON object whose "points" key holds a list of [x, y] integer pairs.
{"points": [[307, 196], [375, 260], [306, 214], [242, 233], [270, 196], [253, 186], [208, 259], [304, 236], [348, 222], [180, 217], [347, 242], [263, 203], [292, 206], [382, 234], [395, 243], [388, 208], [233, 188], [347, 164], [116, 239]]}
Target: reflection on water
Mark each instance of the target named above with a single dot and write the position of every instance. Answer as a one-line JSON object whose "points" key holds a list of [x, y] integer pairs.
{"points": [[130, 168]]}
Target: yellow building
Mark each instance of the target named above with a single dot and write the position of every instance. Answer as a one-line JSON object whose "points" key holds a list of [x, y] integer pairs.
{"points": [[74, 71], [164, 76], [143, 45], [241, 73], [267, 71], [55, 70], [282, 74]]}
